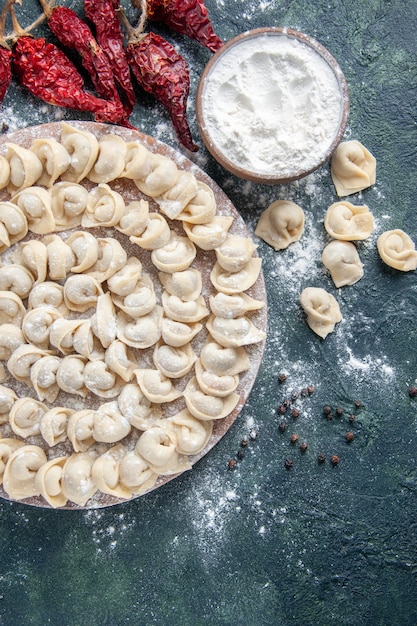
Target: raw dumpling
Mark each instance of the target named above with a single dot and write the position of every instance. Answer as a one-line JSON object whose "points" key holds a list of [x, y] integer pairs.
{"points": [[177, 197], [34, 256], [103, 322], [106, 472], [12, 309], [156, 234], [206, 406], [86, 343], [322, 310], [16, 278], [85, 247], [53, 425], [124, 281], [213, 384], [186, 285], [70, 375], [82, 146], [99, 379], [135, 218], [20, 472], [140, 332], [13, 225], [77, 482], [138, 161], [191, 435], [37, 324], [109, 425], [11, 337], [110, 161], [234, 332], [22, 359], [4, 172], [233, 305], [235, 282], [68, 203], [81, 292], [111, 258], [25, 167], [342, 260], [174, 362], [348, 222], [140, 300], [60, 257], [121, 360], [136, 407], [80, 429], [135, 473], [183, 311], [235, 253], [178, 334], [202, 207], [155, 386], [224, 361], [158, 448], [105, 207], [48, 294], [397, 250], [35, 202], [280, 224], [7, 399], [353, 168], [48, 481], [25, 417], [175, 256], [163, 176], [54, 158], [43, 377], [7, 446], [209, 235]]}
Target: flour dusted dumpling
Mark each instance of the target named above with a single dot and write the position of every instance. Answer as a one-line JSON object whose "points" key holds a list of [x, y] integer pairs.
{"points": [[35, 202], [53, 425], [103, 321], [60, 333], [184, 311], [7, 399], [206, 406], [54, 158], [48, 481], [140, 300], [34, 256], [86, 343], [186, 285], [175, 256], [76, 482], [349, 222], [191, 435], [177, 197], [106, 472], [4, 172], [140, 332], [397, 250], [155, 386], [322, 310], [201, 209], [99, 379], [174, 362], [60, 257], [135, 473], [235, 253], [156, 234], [124, 281], [138, 161], [233, 305], [209, 235], [82, 146], [342, 260], [81, 292], [135, 218], [163, 176], [109, 424], [13, 225], [105, 207], [37, 323], [85, 247], [16, 278], [224, 361], [7, 446], [20, 472], [11, 337], [158, 448], [80, 429], [48, 294], [25, 417], [234, 332], [22, 359], [235, 282], [68, 203], [281, 224], [43, 378], [214, 385], [136, 407], [353, 168], [178, 334], [25, 167], [110, 161], [70, 375], [121, 360], [111, 258]]}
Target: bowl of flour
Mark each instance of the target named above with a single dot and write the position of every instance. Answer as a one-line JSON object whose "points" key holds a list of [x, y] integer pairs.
{"points": [[272, 105]]}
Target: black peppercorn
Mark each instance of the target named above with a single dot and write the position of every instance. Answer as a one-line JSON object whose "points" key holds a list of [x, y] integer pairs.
{"points": [[412, 392], [295, 413], [244, 442], [240, 454], [231, 464], [289, 464], [334, 459], [327, 410], [281, 409], [303, 446], [340, 411], [349, 436], [310, 389], [282, 377], [321, 457], [294, 438], [282, 426]]}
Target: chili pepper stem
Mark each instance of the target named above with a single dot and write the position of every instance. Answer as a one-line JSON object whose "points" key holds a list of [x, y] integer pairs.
{"points": [[18, 31], [134, 34]]}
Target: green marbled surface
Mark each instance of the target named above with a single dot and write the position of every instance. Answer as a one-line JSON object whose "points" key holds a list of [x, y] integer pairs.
{"points": [[261, 545]]}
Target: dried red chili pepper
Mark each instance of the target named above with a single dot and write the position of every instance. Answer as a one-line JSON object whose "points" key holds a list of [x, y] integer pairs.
{"points": [[188, 17], [76, 35], [49, 75], [5, 70], [162, 72], [103, 14]]}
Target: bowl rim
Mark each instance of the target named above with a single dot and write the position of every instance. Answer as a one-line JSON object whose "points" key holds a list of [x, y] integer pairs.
{"points": [[245, 173]]}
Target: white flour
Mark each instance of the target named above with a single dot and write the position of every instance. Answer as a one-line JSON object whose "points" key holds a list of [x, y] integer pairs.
{"points": [[272, 105]]}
